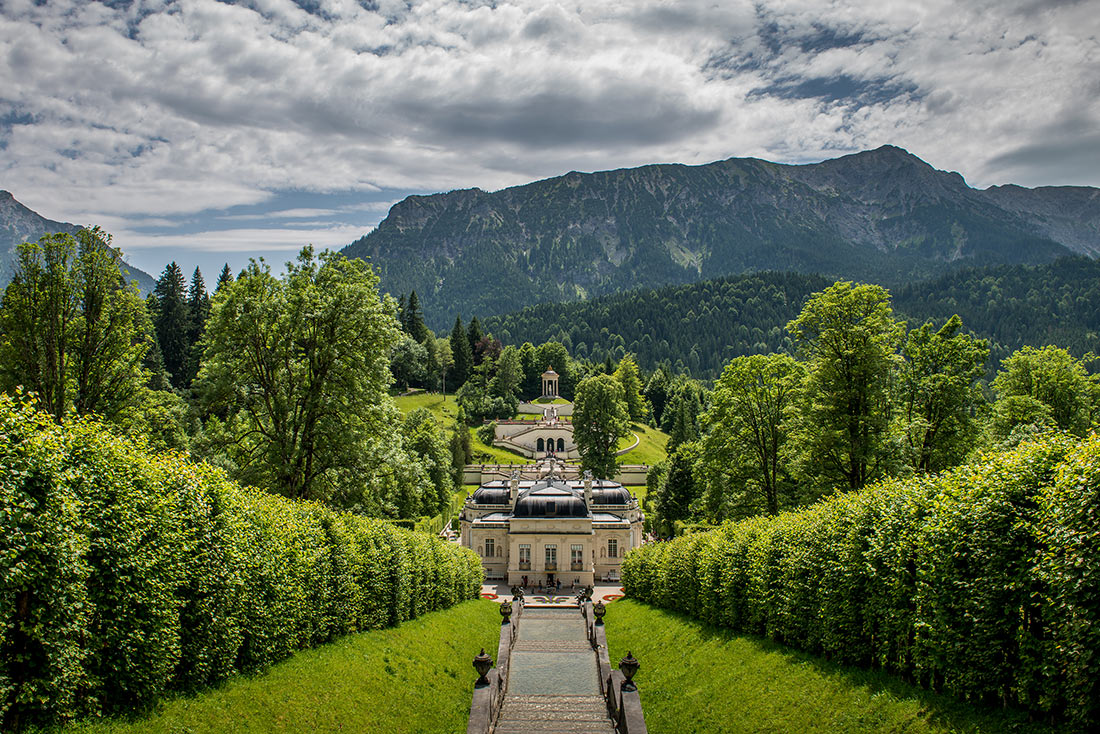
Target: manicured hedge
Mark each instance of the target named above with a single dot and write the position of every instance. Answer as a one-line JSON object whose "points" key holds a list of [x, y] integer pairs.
{"points": [[983, 582], [124, 574]]}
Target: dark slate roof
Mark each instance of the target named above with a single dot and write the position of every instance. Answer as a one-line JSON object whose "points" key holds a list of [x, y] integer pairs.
{"points": [[615, 495], [550, 499], [491, 495]]}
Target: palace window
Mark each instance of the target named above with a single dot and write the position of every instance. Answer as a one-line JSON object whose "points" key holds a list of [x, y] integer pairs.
{"points": [[612, 548], [551, 557], [576, 557], [489, 549], [525, 556]]}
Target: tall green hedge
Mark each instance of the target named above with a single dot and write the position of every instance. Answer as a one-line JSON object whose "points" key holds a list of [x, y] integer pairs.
{"points": [[125, 574], [983, 582]]}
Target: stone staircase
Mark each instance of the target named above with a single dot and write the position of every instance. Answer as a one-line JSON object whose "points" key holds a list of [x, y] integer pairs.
{"points": [[553, 679], [553, 676]]}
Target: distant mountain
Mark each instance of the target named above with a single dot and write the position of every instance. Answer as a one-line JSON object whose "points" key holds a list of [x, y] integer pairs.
{"points": [[19, 224], [703, 325], [883, 215]]}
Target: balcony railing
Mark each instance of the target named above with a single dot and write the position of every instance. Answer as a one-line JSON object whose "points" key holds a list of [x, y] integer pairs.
{"points": [[524, 565], [551, 565], [576, 566]]}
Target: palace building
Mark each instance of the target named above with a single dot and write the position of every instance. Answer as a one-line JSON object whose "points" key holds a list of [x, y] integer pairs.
{"points": [[551, 529]]}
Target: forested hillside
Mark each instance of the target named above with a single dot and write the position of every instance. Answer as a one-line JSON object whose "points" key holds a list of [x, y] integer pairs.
{"points": [[697, 327], [881, 216], [1057, 303], [701, 326]]}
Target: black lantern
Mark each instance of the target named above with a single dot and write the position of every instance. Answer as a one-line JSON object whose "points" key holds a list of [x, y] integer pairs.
{"points": [[599, 610], [506, 612], [482, 664], [588, 592], [628, 666], [515, 593]]}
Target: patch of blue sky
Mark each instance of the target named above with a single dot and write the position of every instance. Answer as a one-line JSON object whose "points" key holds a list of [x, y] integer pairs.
{"points": [[839, 89]]}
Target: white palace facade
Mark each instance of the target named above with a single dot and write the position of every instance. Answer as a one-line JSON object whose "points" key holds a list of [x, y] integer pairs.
{"points": [[551, 529]]}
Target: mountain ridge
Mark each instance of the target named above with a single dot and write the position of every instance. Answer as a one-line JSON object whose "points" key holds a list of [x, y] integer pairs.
{"points": [[883, 215], [19, 223]]}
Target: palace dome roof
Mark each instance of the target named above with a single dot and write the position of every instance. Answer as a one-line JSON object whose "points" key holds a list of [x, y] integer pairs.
{"points": [[491, 495], [550, 499], [615, 495]]}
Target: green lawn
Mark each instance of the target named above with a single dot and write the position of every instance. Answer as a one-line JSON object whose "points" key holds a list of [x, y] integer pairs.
{"points": [[414, 678], [651, 448], [445, 411], [484, 454], [697, 678]]}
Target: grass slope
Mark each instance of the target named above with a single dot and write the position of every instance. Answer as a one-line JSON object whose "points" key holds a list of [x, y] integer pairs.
{"points": [[413, 678], [445, 412], [697, 678], [650, 449]]}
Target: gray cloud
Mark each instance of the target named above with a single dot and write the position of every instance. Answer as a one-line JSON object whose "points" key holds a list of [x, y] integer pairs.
{"points": [[167, 107]]}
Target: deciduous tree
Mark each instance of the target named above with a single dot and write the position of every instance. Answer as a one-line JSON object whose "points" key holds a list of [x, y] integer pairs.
{"points": [[300, 367], [1051, 377], [72, 329], [600, 419], [848, 337], [938, 394], [746, 432], [627, 375]]}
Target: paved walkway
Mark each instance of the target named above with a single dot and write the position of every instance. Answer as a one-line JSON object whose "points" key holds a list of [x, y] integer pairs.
{"points": [[567, 597], [553, 678]]}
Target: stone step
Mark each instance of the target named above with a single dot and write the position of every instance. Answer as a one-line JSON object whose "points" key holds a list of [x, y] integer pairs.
{"points": [[554, 728], [560, 701], [547, 714], [551, 646], [556, 712]]}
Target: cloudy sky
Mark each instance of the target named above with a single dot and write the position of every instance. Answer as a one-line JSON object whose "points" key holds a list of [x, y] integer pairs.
{"points": [[206, 131]]}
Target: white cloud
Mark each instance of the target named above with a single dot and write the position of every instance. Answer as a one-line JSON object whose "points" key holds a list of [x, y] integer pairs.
{"points": [[171, 108]]}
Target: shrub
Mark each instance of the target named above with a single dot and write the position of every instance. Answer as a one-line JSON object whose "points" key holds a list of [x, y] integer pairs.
{"points": [[124, 574], [983, 582]]}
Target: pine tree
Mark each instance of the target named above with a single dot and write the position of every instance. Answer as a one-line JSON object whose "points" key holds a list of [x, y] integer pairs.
{"points": [[678, 491], [474, 336], [656, 392], [461, 354], [198, 309], [172, 323], [414, 320], [224, 278], [683, 426], [627, 375]]}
